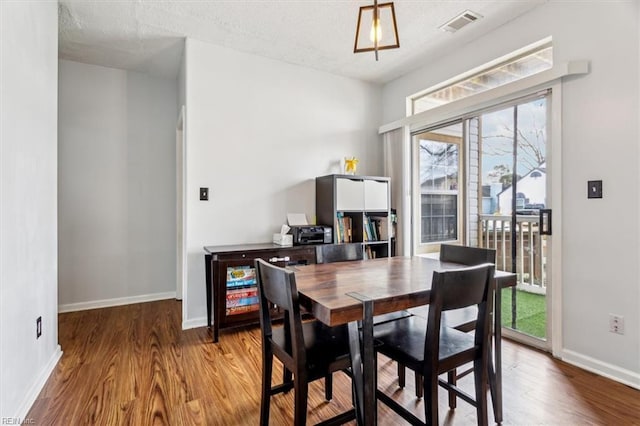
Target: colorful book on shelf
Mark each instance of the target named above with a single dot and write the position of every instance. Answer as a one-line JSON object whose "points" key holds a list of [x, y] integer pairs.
{"points": [[242, 292], [369, 253], [381, 227], [344, 227], [374, 228], [242, 301], [236, 310], [241, 276], [365, 230], [349, 229], [340, 227], [242, 297], [369, 229]]}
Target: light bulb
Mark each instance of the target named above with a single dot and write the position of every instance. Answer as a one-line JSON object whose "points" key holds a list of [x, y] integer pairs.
{"points": [[376, 31]]}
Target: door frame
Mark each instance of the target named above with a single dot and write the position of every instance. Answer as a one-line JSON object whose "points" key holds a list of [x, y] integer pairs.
{"points": [[181, 225], [468, 108]]}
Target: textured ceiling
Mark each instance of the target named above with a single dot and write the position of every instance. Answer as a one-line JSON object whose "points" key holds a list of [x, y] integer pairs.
{"points": [[148, 35]]}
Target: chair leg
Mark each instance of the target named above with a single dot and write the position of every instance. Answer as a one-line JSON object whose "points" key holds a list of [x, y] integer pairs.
{"points": [[401, 375], [287, 376], [267, 371], [430, 387], [493, 387], [419, 385], [328, 387], [301, 387], [452, 378], [480, 369]]}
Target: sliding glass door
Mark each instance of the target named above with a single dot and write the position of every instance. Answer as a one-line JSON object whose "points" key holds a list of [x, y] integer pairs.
{"points": [[482, 181], [513, 157]]}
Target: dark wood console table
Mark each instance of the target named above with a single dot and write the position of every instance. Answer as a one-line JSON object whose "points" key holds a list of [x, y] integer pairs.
{"points": [[230, 280]]}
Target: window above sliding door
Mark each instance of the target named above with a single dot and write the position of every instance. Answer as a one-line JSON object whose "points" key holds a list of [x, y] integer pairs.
{"points": [[513, 67]]}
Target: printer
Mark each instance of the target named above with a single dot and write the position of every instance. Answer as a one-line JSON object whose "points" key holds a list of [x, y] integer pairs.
{"points": [[311, 234]]}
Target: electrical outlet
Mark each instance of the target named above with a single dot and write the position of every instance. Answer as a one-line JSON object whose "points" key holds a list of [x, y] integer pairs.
{"points": [[616, 324], [38, 327]]}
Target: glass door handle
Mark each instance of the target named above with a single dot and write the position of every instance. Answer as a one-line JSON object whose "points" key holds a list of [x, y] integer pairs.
{"points": [[545, 221]]}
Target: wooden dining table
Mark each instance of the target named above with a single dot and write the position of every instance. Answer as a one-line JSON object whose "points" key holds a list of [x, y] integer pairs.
{"points": [[354, 292]]}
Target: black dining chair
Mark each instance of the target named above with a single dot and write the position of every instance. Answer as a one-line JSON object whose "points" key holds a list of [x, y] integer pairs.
{"points": [[430, 348], [308, 350], [463, 319], [329, 253]]}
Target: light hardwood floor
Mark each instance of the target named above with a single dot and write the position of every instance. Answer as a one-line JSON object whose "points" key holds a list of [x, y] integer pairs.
{"points": [[133, 365]]}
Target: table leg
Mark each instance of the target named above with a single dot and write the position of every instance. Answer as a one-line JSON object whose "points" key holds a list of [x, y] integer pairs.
{"points": [[363, 364], [356, 370], [495, 379]]}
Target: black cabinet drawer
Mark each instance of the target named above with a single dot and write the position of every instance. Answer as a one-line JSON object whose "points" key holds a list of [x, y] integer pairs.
{"points": [[249, 255], [302, 256]]}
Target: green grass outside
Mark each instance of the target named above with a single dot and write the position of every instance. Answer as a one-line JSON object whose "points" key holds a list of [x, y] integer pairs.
{"points": [[531, 312]]}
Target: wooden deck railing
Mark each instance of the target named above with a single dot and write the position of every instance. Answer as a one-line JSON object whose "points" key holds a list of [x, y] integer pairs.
{"points": [[495, 233]]}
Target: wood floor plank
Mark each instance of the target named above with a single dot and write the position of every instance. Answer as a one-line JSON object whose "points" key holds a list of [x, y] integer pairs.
{"points": [[133, 365], [191, 413]]}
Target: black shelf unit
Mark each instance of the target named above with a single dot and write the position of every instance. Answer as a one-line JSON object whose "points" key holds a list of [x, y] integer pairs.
{"points": [[358, 208]]}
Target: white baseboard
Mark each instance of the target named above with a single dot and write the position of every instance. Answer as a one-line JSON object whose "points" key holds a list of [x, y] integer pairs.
{"points": [[37, 386], [194, 323], [624, 376], [83, 306]]}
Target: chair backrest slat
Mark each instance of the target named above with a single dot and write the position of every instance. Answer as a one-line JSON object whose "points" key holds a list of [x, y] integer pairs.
{"points": [[466, 255], [277, 286], [463, 287], [329, 253], [456, 289]]}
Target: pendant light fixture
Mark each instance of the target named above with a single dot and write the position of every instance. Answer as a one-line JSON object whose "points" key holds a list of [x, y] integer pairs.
{"points": [[377, 29]]}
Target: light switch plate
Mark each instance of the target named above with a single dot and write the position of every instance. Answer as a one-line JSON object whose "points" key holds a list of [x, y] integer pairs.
{"points": [[594, 189], [204, 194]]}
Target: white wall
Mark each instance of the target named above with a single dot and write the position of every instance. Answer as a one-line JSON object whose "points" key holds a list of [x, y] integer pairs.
{"points": [[258, 132], [181, 81], [116, 186], [600, 121], [28, 249]]}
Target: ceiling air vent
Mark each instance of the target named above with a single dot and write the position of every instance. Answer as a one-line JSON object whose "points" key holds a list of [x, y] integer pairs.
{"points": [[460, 21]]}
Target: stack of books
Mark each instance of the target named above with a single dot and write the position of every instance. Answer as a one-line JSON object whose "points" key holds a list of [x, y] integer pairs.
{"points": [[242, 290], [369, 229], [344, 228]]}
